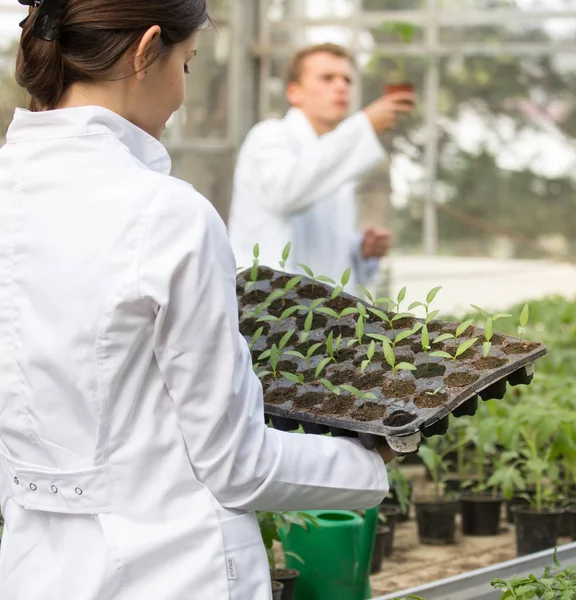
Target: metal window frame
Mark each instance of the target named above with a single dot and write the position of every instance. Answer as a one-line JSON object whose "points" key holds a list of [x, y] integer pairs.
{"points": [[432, 18]]}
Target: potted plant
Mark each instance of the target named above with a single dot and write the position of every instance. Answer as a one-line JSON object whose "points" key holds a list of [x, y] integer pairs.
{"points": [[436, 515], [398, 76], [481, 507], [538, 525], [400, 495], [270, 525]]}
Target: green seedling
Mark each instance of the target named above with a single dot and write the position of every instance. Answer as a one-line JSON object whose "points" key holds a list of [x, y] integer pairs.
{"points": [[254, 270], [397, 338], [359, 332], [459, 350], [425, 341], [315, 279], [343, 283], [305, 357], [434, 392], [274, 355], [374, 302], [369, 356], [281, 345], [285, 256], [488, 327], [338, 316], [390, 358], [524, 316], [362, 396], [292, 283], [298, 379], [284, 315], [257, 335], [331, 388], [386, 319], [333, 346], [426, 305]]}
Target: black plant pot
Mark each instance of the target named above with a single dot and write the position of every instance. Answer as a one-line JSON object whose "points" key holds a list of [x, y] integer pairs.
{"points": [[437, 521], [392, 500], [455, 485], [480, 514], [566, 520], [287, 577], [393, 514], [536, 531], [277, 589], [571, 516], [515, 501], [382, 542]]}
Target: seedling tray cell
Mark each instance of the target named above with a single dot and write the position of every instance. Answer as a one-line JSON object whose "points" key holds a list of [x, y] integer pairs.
{"points": [[399, 407]]}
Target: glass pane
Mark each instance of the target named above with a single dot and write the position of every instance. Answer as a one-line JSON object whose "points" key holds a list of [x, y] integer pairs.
{"points": [[507, 158], [275, 87], [510, 4], [205, 111], [278, 10], [303, 36], [210, 174], [385, 193], [558, 31], [372, 5]]}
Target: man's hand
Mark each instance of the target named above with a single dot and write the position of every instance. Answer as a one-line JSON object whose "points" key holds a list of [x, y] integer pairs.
{"points": [[383, 113], [376, 242], [387, 455]]}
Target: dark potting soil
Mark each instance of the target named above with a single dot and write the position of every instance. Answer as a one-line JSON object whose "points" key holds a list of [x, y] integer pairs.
{"points": [[264, 274], [496, 340], [461, 379], [277, 307], [312, 292], [430, 401], [406, 323], [343, 377], [346, 331], [429, 370], [279, 395], [248, 327], [339, 303], [337, 405], [490, 362], [345, 354], [369, 412], [400, 358], [398, 389], [367, 381], [519, 347], [308, 400], [435, 326]]}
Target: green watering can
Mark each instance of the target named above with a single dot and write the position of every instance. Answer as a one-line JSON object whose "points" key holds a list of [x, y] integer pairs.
{"points": [[337, 555]]}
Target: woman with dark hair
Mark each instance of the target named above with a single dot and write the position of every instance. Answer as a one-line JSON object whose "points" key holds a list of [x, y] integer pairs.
{"points": [[133, 447]]}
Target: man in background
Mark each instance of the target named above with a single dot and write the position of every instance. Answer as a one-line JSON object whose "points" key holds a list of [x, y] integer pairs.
{"points": [[296, 177]]}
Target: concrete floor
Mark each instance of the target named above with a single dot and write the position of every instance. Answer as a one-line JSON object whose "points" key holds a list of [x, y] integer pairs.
{"points": [[492, 284]]}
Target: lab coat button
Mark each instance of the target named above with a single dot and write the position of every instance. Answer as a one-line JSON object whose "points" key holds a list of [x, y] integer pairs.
{"points": [[16, 481], [54, 489], [79, 491], [33, 487]]}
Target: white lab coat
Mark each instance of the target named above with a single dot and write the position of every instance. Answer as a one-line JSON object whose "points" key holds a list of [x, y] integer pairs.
{"points": [[293, 186], [132, 440]]}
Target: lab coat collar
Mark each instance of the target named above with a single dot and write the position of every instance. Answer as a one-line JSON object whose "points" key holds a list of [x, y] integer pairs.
{"points": [[300, 125], [85, 121]]}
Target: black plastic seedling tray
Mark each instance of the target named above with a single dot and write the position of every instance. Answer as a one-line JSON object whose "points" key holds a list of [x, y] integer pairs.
{"points": [[405, 407]]}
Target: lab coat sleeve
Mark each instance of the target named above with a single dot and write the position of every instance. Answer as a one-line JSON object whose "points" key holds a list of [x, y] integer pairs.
{"points": [[292, 180], [187, 276]]}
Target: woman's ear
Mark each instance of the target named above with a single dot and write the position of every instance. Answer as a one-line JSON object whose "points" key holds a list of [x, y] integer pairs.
{"points": [[145, 51]]}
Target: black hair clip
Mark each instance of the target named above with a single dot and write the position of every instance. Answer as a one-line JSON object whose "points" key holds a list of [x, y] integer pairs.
{"points": [[48, 18]]}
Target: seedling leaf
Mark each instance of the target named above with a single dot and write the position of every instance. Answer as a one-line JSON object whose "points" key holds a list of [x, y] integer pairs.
{"points": [[329, 343], [346, 277], [486, 347], [349, 311], [307, 270], [337, 291], [360, 328], [311, 350], [416, 305], [403, 315], [286, 251], [293, 283], [366, 293], [294, 353], [371, 350], [308, 321], [325, 279], [463, 327], [432, 316], [263, 374], [441, 354], [501, 316], [425, 337], [362, 310], [524, 315], [404, 366], [364, 366], [285, 339], [442, 338], [488, 329], [352, 390], [432, 294], [316, 303], [380, 337], [291, 377], [389, 355], [403, 335], [478, 309], [401, 295], [380, 314], [327, 385], [322, 365], [465, 346], [289, 312], [328, 311], [266, 318]]}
